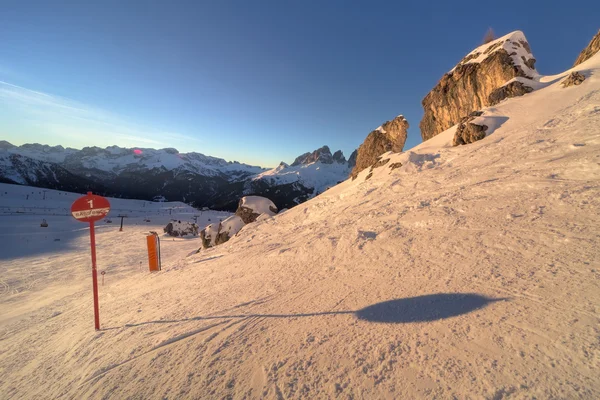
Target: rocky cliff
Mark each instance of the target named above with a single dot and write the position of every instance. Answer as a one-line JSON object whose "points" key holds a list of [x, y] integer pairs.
{"points": [[390, 136], [320, 155], [468, 86], [590, 50]]}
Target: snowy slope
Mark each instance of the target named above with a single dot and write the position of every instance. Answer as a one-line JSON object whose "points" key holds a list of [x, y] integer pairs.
{"points": [[22, 209], [469, 272]]}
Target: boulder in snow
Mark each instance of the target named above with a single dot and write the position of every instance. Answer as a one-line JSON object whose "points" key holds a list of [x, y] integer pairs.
{"points": [[181, 228], [209, 235], [468, 86], [228, 228], [390, 136], [250, 207], [574, 78], [468, 132], [512, 89]]}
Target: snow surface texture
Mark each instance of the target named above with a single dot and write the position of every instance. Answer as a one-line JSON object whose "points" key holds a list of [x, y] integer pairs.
{"points": [[469, 272]]}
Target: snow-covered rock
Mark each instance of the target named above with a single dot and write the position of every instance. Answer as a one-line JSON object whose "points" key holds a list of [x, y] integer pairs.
{"points": [[390, 136], [468, 86], [178, 228], [250, 207], [209, 235], [512, 89], [228, 228], [263, 217], [469, 132]]}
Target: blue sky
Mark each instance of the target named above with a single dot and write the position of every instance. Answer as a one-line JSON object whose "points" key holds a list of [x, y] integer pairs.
{"points": [[255, 81]]}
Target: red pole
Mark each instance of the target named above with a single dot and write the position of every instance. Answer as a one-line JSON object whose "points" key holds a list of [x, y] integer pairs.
{"points": [[94, 276]]}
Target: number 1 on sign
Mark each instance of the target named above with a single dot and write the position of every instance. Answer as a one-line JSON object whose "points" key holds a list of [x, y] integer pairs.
{"points": [[91, 203]]}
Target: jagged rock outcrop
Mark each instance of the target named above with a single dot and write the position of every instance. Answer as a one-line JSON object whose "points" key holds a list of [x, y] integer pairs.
{"points": [[590, 50], [390, 136], [468, 86], [468, 132], [352, 159], [338, 157], [250, 207], [512, 89], [322, 155], [574, 78]]}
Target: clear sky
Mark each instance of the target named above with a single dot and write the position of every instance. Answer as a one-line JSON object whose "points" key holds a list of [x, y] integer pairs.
{"points": [[255, 81]]}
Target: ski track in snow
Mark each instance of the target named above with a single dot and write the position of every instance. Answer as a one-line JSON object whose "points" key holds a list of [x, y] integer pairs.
{"points": [[469, 272]]}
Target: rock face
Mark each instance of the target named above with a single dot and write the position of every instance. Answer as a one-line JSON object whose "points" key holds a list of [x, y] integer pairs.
{"points": [[209, 235], [338, 157], [228, 228], [390, 136], [468, 132], [512, 89], [352, 159], [250, 207], [574, 78], [590, 50], [322, 155], [468, 86], [181, 228]]}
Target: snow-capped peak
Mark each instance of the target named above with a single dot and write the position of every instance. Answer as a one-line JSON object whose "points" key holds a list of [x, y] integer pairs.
{"points": [[514, 43]]}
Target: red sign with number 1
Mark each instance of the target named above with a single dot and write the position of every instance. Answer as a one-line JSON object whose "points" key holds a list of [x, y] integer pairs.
{"points": [[91, 208]]}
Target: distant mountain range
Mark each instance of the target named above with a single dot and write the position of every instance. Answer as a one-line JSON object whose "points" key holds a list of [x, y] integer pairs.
{"points": [[194, 178]]}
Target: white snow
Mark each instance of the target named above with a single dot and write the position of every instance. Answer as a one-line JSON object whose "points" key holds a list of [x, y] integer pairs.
{"points": [[469, 272], [232, 225], [316, 175], [258, 204]]}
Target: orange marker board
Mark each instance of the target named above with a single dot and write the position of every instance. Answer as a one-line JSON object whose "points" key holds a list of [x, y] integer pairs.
{"points": [[152, 253]]}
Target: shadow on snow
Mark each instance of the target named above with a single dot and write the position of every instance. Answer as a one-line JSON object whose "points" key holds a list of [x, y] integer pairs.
{"points": [[426, 308]]}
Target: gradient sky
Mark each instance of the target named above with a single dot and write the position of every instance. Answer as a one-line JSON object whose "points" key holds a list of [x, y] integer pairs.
{"points": [[255, 81]]}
